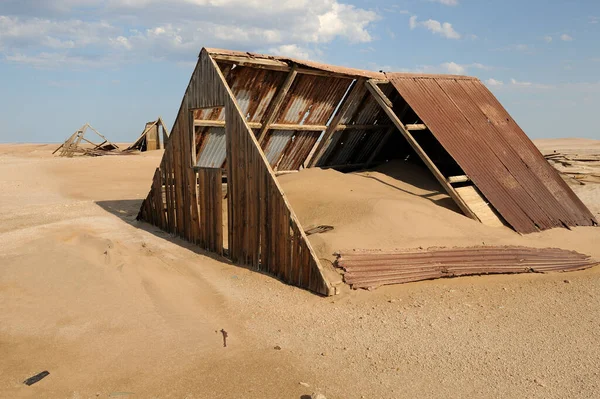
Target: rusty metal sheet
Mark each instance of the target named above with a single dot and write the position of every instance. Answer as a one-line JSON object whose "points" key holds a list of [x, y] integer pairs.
{"points": [[297, 150], [458, 119], [312, 100], [516, 138], [254, 89], [277, 141], [213, 148], [370, 269]]}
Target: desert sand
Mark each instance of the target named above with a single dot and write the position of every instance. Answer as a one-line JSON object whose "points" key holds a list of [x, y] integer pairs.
{"points": [[112, 307]]}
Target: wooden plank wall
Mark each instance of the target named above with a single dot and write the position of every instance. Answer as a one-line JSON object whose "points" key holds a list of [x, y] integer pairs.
{"points": [[210, 203], [264, 233], [176, 178]]}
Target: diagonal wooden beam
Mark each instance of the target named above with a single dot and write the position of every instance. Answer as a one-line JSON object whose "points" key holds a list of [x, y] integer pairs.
{"points": [[344, 113], [386, 136], [381, 98], [276, 104]]}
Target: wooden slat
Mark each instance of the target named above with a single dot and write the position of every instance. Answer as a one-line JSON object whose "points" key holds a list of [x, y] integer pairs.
{"points": [[290, 126], [417, 126], [458, 179], [275, 105], [344, 113]]}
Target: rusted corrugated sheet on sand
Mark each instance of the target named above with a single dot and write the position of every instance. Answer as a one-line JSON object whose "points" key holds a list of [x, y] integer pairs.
{"points": [[369, 269], [494, 152]]}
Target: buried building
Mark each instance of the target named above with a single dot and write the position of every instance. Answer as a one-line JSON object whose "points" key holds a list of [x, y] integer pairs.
{"points": [[246, 118], [150, 139]]}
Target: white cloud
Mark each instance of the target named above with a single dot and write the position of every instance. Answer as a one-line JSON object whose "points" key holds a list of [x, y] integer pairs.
{"points": [[454, 68], [593, 19], [444, 29], [566, 38], [446, 2], [412, 22], [446, 67], [516, 83], [176, 29], [291, 50], [548, 39], [494, 82]]}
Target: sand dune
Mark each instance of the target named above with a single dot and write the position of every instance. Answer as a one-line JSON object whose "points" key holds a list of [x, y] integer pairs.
{"points": [[116, 308]]}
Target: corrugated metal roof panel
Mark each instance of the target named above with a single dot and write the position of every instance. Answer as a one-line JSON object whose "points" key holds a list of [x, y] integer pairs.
{"points": [[297, 150], [276, 143], [213, 149], [485, 150], [312, 99], [369, 269], [254, 89]]}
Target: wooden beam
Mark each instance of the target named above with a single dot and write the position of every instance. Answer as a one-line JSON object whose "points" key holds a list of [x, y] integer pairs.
{"points": [[378, 94], [458, 179], [344, 113], [381, 99], [274, 65], [387, 136], [416, 126], [276, 104], [290, 126]]}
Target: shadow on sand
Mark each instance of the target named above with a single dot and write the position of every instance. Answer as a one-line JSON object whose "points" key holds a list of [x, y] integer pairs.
{"points": [[127, 210], [414, 175]]}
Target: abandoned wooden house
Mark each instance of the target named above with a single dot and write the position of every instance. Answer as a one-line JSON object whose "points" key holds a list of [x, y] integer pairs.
{"points": [[150, 139], [246, 117]]}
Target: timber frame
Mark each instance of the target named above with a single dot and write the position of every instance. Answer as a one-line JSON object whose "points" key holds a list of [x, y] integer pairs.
{"points": [[246, 118]]}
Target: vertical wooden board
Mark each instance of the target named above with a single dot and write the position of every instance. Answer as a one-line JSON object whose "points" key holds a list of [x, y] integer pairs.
{"points": [[171, 205], [296, 254], [194, 219], [229, 161], [284, 240], [254, 227], [187, 184], [201, 210], [273, 217], [218, 200], [178, 179], [156, 199], [212, 210], [264, 218], [165, 178]]}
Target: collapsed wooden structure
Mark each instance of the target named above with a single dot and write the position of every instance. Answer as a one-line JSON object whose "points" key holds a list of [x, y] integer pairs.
{"points": [[150, 139], [245, 117], [76, 144]]}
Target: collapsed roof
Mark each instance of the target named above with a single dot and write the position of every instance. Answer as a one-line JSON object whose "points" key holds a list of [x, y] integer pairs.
{"points": [[73, 144]]}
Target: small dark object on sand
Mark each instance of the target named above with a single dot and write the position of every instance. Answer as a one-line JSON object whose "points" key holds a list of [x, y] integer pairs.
{"points": [[36, 378], [224, 338]]}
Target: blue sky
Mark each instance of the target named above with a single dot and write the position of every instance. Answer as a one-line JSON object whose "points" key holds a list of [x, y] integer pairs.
{"points": [[120, 63]]}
